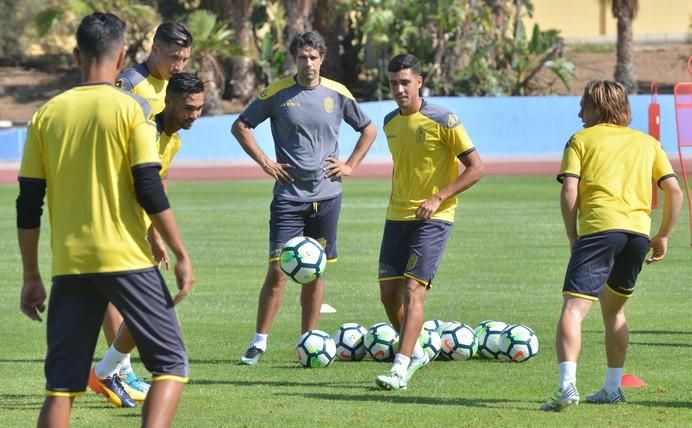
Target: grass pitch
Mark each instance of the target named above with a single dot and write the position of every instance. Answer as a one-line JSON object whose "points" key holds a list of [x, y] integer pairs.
{"points": [[505, 261]]}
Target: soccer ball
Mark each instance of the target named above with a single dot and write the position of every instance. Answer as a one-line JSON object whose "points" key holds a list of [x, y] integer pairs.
{"points": [[315, 349], [381, 342], [433, 325], [488, 336], [431, 342], [349, 341], [458, 341], [518, 343], [303, 259]]}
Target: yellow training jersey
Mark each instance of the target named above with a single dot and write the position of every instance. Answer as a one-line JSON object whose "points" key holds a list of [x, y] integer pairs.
{"points": [[84, 143], [425, 147], [140, 81], [168, 146], [615, 166]]}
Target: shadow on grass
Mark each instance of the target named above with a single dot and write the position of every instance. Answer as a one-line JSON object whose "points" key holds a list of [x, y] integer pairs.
{"points": [[21, 401], [678, 332], [673, 404], [276, 383], [668, 345], [431, 401], [21, 360]]}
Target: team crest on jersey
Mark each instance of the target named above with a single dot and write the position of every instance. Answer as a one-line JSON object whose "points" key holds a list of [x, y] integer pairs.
{"points": [[412, 261], [329, 104], [323, 242], [452, 120], [420, 135], [119, 83]]}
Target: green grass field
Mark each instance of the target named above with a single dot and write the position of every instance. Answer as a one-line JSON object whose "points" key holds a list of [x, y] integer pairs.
{"points": [[505, 261]]}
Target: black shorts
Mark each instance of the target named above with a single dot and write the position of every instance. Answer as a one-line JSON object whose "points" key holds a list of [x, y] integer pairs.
{"points": [[612, 259], [75, 313], [318, 220], [413, 249]]}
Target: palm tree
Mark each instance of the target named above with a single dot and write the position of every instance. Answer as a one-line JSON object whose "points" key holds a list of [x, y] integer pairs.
{"points": [[625, 11], [212, 41]]}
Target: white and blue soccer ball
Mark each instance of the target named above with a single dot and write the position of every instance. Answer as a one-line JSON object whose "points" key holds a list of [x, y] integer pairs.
{"points": [[458, 341], [349, 339], [433, 325], [381, 342], [488, 336], [518, 343], [431, 342], [315, 349], [303, 259]]}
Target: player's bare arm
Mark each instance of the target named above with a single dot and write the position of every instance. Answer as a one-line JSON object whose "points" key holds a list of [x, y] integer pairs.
{"points": [[472, 173], [33, 294], [165, 223], [278, 171], [671, 212], [569, 201], [337, 169]]}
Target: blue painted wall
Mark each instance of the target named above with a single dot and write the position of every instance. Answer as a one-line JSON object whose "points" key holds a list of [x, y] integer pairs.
{"points": [[499, 127]]}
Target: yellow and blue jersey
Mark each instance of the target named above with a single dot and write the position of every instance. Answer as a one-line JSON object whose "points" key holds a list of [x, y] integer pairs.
{"points": [[168, 146], [140, 81], [83, 143], [425, 148], [615, 166]]}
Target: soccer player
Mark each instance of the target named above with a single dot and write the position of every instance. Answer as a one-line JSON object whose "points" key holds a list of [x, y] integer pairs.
{"points": [[305, 113], [92, 149], [428, 146], [184, 102], [606, 176], [169, 54]]}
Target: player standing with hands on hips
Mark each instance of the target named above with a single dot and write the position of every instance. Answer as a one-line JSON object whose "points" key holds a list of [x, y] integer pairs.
{"points": [[428, 146], [606, 174], [305, 112]]}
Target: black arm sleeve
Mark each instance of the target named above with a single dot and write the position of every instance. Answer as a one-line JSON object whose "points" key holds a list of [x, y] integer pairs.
{"points": [[30, 202], [148, 188]]}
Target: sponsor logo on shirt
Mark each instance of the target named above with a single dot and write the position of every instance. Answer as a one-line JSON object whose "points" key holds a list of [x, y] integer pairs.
{"points": [[329, 104], [289, 104], [420, 135], [452, 120], [119, 83]]}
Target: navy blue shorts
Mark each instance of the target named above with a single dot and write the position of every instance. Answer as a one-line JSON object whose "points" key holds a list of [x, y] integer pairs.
{"points": [[75, 313], [318, 220], [612, 259], [413, 249]]}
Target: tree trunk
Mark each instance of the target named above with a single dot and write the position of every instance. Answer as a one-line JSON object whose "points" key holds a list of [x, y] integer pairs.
{"points": [[245, 77], [625, 11], [297, 20], [332, 28], [624, 68]]}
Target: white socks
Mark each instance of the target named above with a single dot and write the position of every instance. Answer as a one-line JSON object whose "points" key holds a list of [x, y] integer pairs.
{"points": [[259, 341], [568, 374], [613, 379], [400, 365], [110, 363], [418, 352]]}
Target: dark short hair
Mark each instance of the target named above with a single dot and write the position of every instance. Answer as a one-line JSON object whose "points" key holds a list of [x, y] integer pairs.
{"points": [[184, 84], [609, 99], [100, 35], [311, 39], [175, 33], [404, 61]]}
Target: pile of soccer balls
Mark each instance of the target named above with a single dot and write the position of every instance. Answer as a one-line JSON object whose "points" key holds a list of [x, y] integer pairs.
{"points": [[451, 341]]}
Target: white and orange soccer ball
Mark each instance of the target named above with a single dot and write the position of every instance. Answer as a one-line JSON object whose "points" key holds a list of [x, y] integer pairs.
{"points": [[518, 343], [349, 339], [381, 342], [303, 259], [315, 349]]}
